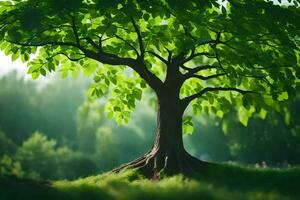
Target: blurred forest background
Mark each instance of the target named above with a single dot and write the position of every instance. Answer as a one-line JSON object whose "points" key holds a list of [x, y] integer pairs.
{"points": [[51, 130]]}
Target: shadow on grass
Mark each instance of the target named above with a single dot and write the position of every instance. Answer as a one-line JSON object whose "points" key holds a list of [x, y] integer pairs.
{"points": [[235, 178], [219, 182], [13, 188]]}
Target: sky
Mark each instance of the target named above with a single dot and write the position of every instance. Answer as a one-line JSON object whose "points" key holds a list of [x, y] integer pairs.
{"points": [[7, 65]]}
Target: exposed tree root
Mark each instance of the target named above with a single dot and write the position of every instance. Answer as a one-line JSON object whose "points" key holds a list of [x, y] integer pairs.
{"points": [[154, 164]]}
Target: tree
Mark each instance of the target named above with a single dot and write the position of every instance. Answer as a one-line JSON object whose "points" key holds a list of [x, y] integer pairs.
{"points": [[209, 54], [41, 157]]}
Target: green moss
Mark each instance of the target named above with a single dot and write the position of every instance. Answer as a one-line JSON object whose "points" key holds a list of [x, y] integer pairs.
{"points": [[220, 182]]}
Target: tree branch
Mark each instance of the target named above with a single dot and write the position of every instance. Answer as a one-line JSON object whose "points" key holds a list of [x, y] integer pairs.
{"points": [[194, 55], [40, 44], [188, 33], [170, 53], [126, 42], [213, 43], [158, 56], [202, 77], [219, 62], [107, 58], [187, 100], [137, 65], [197, 69], [138, 32], [66, 55], [94, 44]]}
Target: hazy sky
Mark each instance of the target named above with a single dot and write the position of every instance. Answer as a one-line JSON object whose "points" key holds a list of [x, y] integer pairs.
{"points": [[7, 65]]}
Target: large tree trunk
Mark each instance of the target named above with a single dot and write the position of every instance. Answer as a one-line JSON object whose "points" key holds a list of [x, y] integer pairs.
{"points": [[167, 155]]}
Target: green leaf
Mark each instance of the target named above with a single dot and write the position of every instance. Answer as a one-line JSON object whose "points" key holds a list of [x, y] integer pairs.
{"points": [[146, 16], [51, 67], [97, 79], [244, 115], [43, 71], [15, 50], [117, 109], [137, 94], [143, 84], [14, 57], [24, 57], [283, 96], [188, 126], [35, 75]]}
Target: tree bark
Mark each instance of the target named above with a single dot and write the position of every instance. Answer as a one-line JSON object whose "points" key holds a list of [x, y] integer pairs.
{"points": [[167, 155]]}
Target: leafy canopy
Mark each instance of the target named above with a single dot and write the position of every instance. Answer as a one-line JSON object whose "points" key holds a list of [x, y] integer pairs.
{"points": [[217, 50]]}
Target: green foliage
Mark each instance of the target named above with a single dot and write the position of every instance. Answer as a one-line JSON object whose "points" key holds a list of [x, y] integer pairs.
{"points": [[8, 166], [272, 139], [38, 155], [123, 99], [187, 125], [7, 146], [40, 158], [251, 45]]}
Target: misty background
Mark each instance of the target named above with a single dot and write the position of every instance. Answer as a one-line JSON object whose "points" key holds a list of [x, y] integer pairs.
{"points": [[50, 129]]}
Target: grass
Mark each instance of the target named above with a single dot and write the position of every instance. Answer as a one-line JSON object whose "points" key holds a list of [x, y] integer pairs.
{"points": [[220, 182]]}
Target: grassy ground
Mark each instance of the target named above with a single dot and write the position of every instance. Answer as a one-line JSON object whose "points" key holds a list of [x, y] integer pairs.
{"points": [[220, 182]]}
